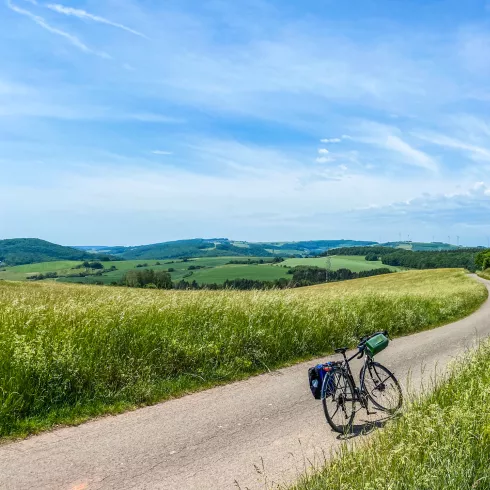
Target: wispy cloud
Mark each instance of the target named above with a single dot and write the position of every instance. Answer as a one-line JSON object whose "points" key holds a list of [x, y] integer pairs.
{"points": [[149, 117], [476, 152], [54, 30], [330, 140], [82, 14], [389, 138], [162, 152]]}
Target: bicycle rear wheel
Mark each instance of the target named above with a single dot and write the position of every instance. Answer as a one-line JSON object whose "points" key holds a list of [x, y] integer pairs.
{"points": [[339, 401], [381, 387]]}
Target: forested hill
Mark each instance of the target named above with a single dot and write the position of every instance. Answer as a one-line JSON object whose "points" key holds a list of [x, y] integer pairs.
{"points": [[217, 247], [18, 251]]}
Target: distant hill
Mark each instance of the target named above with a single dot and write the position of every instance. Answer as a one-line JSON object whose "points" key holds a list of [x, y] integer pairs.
{"points": [[421, 246], [18, 251], [217, 247]]}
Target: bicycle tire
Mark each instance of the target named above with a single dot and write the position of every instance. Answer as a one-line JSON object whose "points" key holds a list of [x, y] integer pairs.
{"points": [[382, 388], [339, 406]]}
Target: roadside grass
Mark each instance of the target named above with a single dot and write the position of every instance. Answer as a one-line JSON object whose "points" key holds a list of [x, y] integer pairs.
{"points": [[353, 262], [71, 352], [442, 441], [485, 274]]}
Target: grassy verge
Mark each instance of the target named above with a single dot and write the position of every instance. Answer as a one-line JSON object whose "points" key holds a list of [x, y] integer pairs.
{"points": [[70, 352], [440, 442], [485, 274]]}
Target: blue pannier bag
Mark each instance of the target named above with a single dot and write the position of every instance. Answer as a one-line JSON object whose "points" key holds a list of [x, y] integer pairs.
{"points": [[316, 377]]}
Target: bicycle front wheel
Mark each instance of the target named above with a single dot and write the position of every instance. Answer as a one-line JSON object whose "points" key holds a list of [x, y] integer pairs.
{"points": [[339, 400], [381, 387]]}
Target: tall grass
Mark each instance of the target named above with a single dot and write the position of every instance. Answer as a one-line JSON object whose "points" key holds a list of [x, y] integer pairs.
{"points": [[485, 274], [69, 352], [441, 443]]}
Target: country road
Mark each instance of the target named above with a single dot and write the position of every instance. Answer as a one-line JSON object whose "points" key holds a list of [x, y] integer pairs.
{"points": [[211, 439]]}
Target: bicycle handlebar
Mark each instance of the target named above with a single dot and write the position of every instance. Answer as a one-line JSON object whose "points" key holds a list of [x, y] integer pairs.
{"points": [[363, 340]]}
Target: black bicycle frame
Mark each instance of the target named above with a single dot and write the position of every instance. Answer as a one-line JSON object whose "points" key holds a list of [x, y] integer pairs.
{"points": [[346, 366]]}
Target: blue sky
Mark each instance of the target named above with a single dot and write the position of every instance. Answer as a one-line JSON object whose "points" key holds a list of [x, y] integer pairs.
{"points": [[127, 122]]}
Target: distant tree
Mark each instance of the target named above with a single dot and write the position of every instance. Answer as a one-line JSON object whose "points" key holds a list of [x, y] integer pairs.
{"points": [[163, 280]]}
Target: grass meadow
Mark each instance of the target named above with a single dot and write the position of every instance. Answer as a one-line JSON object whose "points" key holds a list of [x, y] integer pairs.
{"points": [[70, 352], [441, 442], [352, 262]]}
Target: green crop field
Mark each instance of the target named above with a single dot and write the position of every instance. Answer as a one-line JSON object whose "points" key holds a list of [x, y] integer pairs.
{"points": [[219, 275], [21, 272], [70, 352], [441, 442], [181, 270], [353, 262]]}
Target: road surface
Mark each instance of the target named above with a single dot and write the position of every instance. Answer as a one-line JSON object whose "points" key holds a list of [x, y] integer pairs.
{"points": [[260, 430]]}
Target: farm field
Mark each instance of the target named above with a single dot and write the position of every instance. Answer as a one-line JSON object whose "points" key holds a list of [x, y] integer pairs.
{"points": [[181, 270], [20, 272], [441, 442], [214, 269], [71, 352], [218, 275], [353, 262], [123, 266]]}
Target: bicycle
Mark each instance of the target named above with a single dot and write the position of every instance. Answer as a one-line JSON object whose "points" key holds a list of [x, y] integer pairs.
{"points": [[339, 391]]}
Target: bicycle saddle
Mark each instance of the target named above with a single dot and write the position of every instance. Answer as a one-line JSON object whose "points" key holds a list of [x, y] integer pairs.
{"points": [[341, 350]]}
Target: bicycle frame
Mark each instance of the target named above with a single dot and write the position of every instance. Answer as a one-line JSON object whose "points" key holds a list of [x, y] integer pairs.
{"points": [[346, 367]]}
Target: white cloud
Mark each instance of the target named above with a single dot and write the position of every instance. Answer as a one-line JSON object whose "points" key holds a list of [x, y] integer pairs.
{"points": [[323, 151], [477, 153], [324, 160], [82, 14], [330, 140], [70, 37], [389, 138], [162, 152], [155, 118], [462, 209], [414, 156]]}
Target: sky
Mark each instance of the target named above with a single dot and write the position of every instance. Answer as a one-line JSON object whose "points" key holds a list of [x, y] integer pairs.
{"points": [[129, 122]]}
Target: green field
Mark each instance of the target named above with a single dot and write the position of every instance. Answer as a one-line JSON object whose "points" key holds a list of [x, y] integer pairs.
{"points": [[70, 352], [215, 269], [21, 272], [353, 262], [442, 442], [219, 275]]}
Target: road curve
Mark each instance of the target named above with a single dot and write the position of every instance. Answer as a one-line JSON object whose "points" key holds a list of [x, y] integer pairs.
{"points": [[249, 432]]}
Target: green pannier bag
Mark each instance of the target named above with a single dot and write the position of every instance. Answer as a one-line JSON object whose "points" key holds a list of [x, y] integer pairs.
{"points": [[376, 344]]}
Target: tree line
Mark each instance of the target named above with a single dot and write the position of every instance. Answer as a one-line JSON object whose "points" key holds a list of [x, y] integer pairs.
{"points": [[460, 258], [301, 276], [483, 260]]}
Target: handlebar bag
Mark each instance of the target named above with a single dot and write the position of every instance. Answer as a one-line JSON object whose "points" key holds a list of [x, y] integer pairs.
{"points": [[376, 344]]}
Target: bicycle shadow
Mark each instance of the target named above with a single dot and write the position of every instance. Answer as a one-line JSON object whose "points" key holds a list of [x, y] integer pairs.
{"points": [[364, 427]]}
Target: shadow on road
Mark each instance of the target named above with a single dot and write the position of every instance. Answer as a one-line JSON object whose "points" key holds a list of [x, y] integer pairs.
{"points": [[365, 425]]}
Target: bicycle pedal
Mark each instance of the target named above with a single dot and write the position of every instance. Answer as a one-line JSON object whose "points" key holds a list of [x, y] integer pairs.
{"points": [[371, 413]]}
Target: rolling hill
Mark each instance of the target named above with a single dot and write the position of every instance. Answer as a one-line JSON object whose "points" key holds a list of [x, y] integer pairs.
{"points": [[18, 251]]}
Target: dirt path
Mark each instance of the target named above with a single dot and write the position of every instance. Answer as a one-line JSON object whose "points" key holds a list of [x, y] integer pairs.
{"points": [[210, 439]]}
